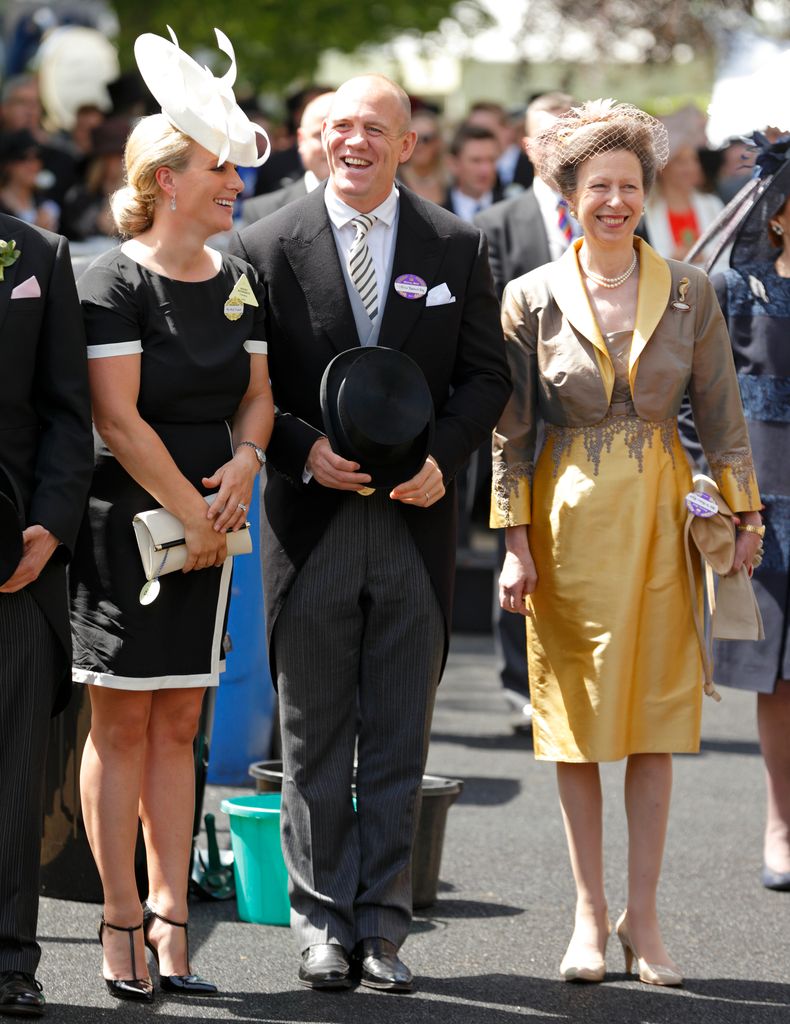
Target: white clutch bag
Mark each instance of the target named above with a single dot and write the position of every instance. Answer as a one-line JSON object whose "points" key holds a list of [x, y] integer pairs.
{"points": [[162, 546]]}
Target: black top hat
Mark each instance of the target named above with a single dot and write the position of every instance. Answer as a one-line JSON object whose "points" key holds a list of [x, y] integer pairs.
{"points": [[11, 520], [378, 411]]}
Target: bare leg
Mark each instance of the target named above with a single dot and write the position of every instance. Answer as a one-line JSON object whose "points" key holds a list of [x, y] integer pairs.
{"points": [[648, 786], [582, 809], [110, 776], [773, 723], [167, 809]]}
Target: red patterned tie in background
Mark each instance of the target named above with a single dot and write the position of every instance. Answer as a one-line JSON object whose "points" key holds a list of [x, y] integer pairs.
{"points": [[564, 221]]}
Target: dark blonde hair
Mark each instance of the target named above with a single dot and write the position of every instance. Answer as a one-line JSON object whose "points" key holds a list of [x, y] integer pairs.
{"points": [[153, 143]]}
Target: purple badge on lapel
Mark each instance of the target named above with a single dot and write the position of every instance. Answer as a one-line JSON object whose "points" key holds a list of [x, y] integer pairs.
{"points": [[409, 286]]}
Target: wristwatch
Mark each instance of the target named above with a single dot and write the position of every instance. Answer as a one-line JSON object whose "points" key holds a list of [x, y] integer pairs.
{"points": [[748, 528], [260, 454]]}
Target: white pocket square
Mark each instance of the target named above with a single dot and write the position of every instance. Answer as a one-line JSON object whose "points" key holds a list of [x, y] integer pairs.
{"points": [[29, 289], [439, 296]]}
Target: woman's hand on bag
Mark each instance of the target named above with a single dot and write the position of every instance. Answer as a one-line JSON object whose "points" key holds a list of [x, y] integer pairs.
{"points": [[517, 579], [205, 547], [746, 547], [233, 482], [747, 544]]}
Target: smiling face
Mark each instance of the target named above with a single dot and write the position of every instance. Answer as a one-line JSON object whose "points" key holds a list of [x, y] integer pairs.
{"points": [[609, 196], [204, 192], [366, 137]]}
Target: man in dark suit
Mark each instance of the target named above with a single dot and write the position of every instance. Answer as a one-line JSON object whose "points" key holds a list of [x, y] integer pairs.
{"points": [[46, 452], [472, 161], [358, 587], [311, 153]]}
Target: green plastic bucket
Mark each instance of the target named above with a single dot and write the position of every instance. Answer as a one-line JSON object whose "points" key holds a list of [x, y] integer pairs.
{"points": [[261, 878]]}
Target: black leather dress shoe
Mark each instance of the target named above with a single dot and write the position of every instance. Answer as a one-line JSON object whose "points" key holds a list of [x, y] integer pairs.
{"points": [[21, 995], [381, 967], [325, 966]]}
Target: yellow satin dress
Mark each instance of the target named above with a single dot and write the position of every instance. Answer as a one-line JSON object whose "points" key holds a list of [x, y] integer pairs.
{"points": [[614, 663]]}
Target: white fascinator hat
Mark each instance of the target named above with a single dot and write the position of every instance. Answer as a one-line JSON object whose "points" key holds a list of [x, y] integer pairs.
{"points": [[198, 104]]}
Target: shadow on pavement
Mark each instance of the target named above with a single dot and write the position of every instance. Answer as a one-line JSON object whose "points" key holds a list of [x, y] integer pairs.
{"points": [[482, 999]]}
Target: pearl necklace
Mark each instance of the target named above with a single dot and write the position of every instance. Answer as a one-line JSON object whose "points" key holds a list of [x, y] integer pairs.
{"points": [[611, 282]]}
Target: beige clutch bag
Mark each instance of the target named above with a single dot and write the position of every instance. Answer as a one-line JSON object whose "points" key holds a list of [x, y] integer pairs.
{"points": [[734, 612], [162, 546]]}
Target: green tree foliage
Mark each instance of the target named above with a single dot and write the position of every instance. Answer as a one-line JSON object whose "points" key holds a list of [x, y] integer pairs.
{"points": [[278, 42]]}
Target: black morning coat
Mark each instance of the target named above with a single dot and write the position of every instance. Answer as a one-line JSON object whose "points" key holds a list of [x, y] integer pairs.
{"points": [[45, 426], [459, 346]]}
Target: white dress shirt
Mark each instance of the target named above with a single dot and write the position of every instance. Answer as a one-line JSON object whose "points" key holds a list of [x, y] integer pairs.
{"points": [[380, 238], [467, 207]]}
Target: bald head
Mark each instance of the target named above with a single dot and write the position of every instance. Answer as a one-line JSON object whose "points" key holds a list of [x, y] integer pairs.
{"points": [[366, 136], [308, 135], [378, 85]]}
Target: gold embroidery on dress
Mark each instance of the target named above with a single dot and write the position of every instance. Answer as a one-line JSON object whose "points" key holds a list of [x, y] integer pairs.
{"points": [[598, 437], [506, 483], [739, 462]]}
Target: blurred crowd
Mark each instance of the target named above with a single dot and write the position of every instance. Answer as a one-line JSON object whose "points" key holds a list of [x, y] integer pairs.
{"points": [[60, 178]]}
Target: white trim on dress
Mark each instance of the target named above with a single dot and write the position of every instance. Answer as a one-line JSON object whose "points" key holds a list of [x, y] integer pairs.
{"points": [[116, 348]]}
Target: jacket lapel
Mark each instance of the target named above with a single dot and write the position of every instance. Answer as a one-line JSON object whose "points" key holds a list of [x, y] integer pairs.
{"points": [[418, 250], [655, 288], [567, 287], [311, 251], [11, 276]]}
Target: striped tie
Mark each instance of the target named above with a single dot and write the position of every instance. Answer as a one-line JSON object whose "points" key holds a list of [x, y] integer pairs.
{"points": [[360, 265], [564, 221]]}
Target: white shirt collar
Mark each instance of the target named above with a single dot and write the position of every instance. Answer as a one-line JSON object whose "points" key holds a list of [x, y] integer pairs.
{"points": [[311, 181], [340, 213]]}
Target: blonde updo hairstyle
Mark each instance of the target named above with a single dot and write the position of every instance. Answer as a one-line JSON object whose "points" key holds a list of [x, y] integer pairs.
{"points": [[599, 126], [153, 143]]}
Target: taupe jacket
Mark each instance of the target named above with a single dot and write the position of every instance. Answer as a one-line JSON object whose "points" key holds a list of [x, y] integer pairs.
{"points": [[563, 374]]}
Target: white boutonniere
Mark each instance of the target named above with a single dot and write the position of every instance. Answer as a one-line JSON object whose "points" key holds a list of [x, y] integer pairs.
{"points": [[9, 254]]}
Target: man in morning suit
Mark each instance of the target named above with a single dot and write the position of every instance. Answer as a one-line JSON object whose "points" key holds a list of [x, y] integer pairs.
{"points": [[358, 588], [46, 456], [524, 233]]}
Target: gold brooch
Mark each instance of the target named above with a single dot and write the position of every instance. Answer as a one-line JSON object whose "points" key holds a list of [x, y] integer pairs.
{"points": [[680, 302]]}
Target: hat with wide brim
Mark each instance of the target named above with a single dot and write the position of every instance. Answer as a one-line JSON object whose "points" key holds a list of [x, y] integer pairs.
{"points": [[11, 546], [198, 104], [378, 412]]}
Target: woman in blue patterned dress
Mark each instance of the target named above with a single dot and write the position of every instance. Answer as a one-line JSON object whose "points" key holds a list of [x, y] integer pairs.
{"points": [[755, 298]]}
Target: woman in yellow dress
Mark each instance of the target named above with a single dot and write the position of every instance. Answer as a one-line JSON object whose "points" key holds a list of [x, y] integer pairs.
{"points": [[603, 345]]}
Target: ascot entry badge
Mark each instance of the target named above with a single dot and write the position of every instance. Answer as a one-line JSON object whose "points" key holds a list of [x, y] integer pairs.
{"points": [[410, 286], [241, 296]]}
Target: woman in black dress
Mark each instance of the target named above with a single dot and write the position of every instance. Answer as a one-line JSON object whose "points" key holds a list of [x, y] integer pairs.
{"points": [[183, 409]]}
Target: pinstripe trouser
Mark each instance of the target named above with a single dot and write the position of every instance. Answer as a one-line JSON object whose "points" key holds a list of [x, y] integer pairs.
{"points": [[359, 647], [29, 662]]}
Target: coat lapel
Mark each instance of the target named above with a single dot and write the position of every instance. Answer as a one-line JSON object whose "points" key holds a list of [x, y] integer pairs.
{"points": [[655, 288], [567, 287], [11, 276], [311, 251], [418, 250]]}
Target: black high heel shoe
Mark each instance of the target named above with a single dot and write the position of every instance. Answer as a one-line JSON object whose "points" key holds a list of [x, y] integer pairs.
{"points": [[182, 984], [134, 989]]}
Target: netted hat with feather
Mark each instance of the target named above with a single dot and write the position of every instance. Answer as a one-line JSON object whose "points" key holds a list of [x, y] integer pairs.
{"points": [[599, 126]]}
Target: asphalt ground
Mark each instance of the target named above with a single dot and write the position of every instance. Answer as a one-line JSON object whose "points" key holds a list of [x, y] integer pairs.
{"points": [[488, 951]]}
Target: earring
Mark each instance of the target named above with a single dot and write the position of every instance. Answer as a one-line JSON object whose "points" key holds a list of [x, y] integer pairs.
{"points": [[173, 201], [777, 229]]}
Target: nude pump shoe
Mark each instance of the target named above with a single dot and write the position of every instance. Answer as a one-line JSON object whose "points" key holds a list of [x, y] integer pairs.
{"points": [[650, 974], [591, 968]]}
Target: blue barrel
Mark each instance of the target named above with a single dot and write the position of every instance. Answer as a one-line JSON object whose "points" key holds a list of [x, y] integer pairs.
{"points": [[244, 710]]}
